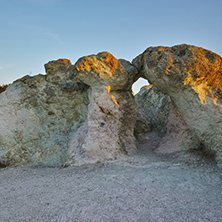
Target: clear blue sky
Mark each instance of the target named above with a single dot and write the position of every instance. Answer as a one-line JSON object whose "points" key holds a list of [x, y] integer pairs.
{"points": [[34, 32]]}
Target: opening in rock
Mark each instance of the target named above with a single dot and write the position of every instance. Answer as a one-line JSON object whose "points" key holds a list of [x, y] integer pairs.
{"points": [[138, 84]]}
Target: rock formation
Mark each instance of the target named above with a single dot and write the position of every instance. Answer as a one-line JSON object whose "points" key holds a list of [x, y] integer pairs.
{"points": [[160, 120], [48, 119], [154, 108], [192, 77], [108, 131], [38, 114], [86, 113]]}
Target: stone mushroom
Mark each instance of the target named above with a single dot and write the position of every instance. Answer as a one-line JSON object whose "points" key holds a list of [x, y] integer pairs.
{"points": [[108, 130]]}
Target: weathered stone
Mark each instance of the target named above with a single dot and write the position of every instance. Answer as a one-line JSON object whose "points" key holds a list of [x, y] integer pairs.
{"points": [[38, 114], [158, 115], [133, 74], [154, 108], [42, 116], [85, 113], [108, 131], [178, 136], [192, 77]]}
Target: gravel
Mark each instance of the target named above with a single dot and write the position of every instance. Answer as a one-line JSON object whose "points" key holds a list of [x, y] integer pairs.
{"points": [[182, 187]]}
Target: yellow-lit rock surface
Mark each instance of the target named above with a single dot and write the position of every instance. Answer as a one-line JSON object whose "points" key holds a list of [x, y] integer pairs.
{"points": [[108, 131], [192, 77]]}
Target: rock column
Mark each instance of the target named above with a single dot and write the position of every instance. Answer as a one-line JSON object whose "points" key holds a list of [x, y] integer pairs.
{"points": [[108, 130]]}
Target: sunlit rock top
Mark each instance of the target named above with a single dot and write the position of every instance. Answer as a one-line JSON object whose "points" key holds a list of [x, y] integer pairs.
{"points": [[183, 65]]}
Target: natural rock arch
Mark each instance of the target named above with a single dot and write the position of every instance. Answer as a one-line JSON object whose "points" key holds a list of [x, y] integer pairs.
{"points": [[192, 77]]}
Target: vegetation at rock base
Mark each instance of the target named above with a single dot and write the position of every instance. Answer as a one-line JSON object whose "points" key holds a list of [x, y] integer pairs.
{"points": [[3, 88]]}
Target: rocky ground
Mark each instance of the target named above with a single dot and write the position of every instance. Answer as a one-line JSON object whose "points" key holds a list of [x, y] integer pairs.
{"points": [[146, 187]]}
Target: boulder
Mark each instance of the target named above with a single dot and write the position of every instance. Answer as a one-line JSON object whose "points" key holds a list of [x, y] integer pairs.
{"points": [[108, 130], [192, 77], [38, 114]]}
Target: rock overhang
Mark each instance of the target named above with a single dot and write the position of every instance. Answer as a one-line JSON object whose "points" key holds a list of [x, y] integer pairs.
{"points": [[184, 65], [102, 70]]}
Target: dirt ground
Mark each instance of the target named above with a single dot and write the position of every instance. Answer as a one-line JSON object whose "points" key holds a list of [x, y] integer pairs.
{"points": [[146, 187]]}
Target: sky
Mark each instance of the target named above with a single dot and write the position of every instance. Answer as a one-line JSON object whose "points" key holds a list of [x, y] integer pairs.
{"points": [[33, 32]]}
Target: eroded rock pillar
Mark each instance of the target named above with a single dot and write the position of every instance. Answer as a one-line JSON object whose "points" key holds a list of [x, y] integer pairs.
{"points": [[108, 130]]}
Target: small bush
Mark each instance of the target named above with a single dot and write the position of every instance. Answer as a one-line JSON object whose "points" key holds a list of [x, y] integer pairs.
{"points": [[3, 88]]}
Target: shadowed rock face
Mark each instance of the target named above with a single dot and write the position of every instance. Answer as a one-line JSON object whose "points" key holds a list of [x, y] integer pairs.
{"points": [[159, 118], [192, 77], [154, 108], [108, 131], [38, 114]]}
